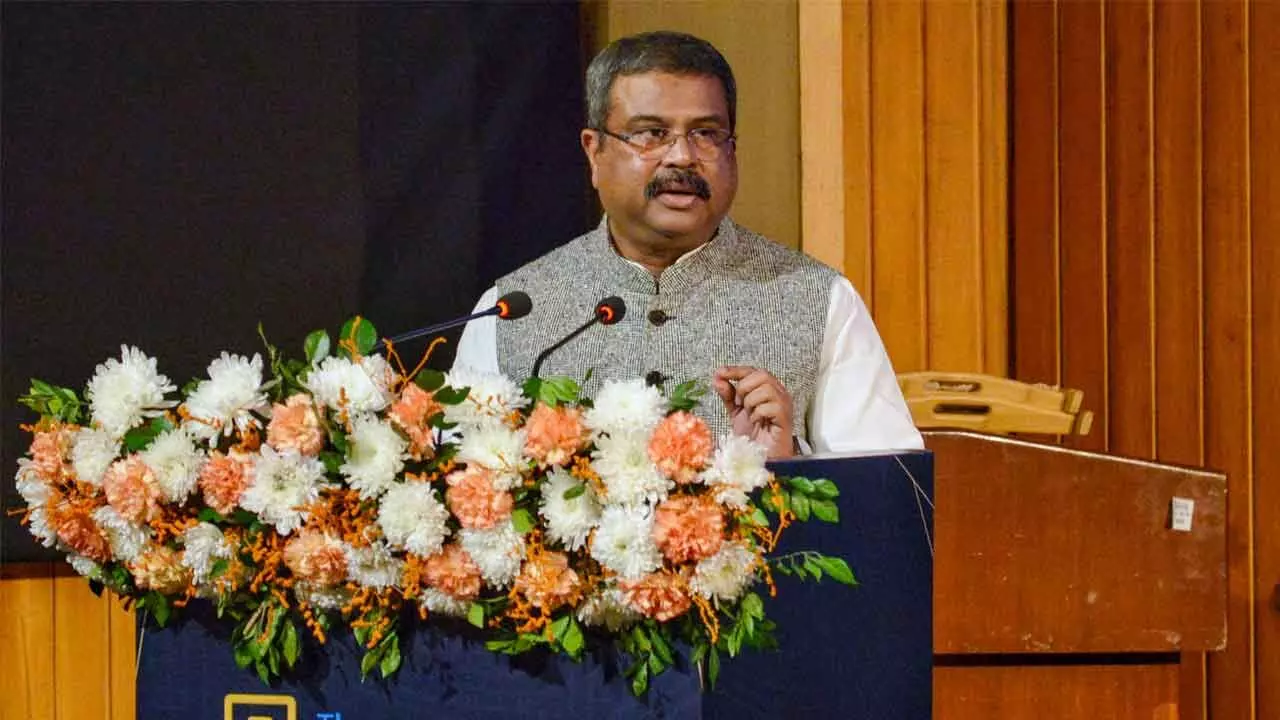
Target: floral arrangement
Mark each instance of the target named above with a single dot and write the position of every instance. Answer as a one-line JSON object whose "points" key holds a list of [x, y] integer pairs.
{"points": [[300, 495]]}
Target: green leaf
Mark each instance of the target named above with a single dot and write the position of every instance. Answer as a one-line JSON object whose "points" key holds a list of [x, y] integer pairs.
{"points": [[838, 569], [640, 683], [242, 655], [160, 608], [362, 332], [451, 396], [575, 491], [686, 395], [558, 628], [210, 515], [752, 605], [316, 346], [332, 461], [661, 648], [429, 380], [800, 506], [799, 484], [475, 615], [554, 390], [141, 436], [292, 644], [522, 520], [825, 510], [391, 660], [362, 634], [757, 517], [369, 662], [573, 640], [825, 489], [261, 669], [713, 667]]}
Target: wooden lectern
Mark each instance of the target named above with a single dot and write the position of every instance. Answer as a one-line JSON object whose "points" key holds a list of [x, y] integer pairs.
{"points": [[1067, 583]]}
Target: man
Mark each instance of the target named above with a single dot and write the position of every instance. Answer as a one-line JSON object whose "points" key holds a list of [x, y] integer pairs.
{"points": [[785, 342]]}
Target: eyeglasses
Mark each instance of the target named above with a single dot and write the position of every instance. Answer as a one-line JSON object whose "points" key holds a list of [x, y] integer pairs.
{"points": [[656, 141]]}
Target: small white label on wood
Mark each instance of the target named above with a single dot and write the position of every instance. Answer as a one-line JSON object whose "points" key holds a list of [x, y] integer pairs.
{"points": [[1180, 511]]}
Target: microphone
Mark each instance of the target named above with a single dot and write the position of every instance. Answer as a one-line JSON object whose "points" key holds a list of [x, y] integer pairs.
{"points": [[512, 306], [608, 311]]}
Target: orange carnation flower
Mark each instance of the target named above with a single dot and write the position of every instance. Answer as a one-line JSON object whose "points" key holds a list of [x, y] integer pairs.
{"points": [[688, 528], [661, 596], [316, 557], [296, 426], [681, 446], [547, 581], [132, 489], [452, 571], [49, 453], [410, 413], [223, 480], [76, 528], [473, 499], [160, 568], [553, 435]]}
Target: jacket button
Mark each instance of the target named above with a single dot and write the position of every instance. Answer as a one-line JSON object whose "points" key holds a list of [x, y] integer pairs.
{"points": [[654, 378], [657, 317]]}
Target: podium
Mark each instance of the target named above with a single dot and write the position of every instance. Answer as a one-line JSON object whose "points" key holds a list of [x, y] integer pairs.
{"points": [[861, 652], [1068, 584]]}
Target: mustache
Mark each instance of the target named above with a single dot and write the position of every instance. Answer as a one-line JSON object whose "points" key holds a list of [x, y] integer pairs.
{"points": [[679, 179]]}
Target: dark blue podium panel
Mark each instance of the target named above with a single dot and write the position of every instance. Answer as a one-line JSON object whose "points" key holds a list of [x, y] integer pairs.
{"points": [[862, 652]]}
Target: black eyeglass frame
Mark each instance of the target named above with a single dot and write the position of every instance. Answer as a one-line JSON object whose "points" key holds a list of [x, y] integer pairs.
{"points": [[665, 146]]}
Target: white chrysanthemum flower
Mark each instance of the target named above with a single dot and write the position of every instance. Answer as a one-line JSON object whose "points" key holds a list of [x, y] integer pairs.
{"points": [[92, 452], [283, 484], [630, 477], [624, 541], [39, 527], [84, 566], [725, 575], [343, 385], [35, 493], [176, 463], [626, 407], [374, 566], [497, 448], [126, 539], [123, 392], [570, 521], [27, 481], [607, 608], [376, 454], [491, 398], [412, 518], [227, 400], [737, 470], [444, 604], [203, 544], [322, 597], [498, 551]]}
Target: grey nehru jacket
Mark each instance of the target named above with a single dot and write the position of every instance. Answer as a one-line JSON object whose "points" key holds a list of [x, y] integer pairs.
{"points": [[740, 300]]}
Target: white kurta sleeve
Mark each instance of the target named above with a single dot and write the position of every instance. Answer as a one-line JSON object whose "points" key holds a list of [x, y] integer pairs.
{"points": [[478, 347], [857, 405]]}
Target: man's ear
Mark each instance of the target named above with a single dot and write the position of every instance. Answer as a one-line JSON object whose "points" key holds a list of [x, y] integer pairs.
{"points": [[591, 147]]}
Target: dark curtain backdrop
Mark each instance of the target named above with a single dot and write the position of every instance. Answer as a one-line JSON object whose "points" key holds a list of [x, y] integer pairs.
{"points": [[174, 174]]}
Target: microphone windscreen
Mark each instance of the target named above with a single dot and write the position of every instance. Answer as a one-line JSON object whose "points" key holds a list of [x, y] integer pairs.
{"points": [[514, 305], [611, 310]]}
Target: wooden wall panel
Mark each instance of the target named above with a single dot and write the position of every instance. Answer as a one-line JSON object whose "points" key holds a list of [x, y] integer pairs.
{"points": [[81, 650], [1148, 692], [1036, 281], [1130, 230], [953, 186], [1165, 139], [26, 650], [1264, 164], [898, 229], [923, 140], [1082, 215], [1228, 436]]}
